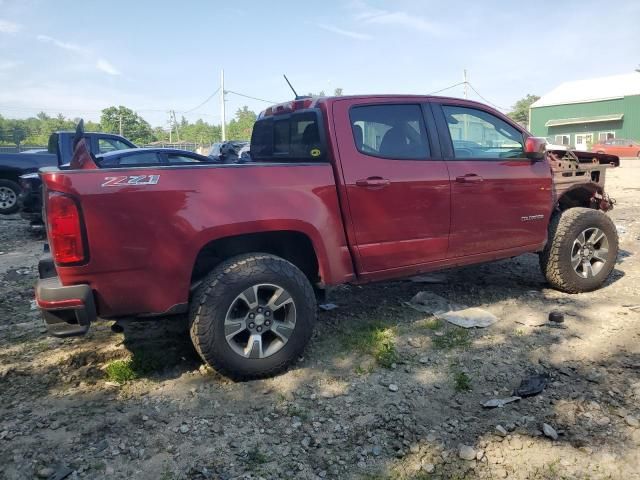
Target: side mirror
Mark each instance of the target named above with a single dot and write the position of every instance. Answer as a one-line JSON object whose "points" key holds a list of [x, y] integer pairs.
{"points": [[535, 147]]}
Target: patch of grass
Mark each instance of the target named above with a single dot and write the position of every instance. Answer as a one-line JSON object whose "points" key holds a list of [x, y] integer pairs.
{"points": [[461, 382], [301, 413], [140, 365], [519, 332], [360, 370], [256, 457], [456, 337], [431, 323], [376, 340]]}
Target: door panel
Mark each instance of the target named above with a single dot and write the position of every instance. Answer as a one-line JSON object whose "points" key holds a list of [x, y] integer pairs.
{"points": [[399, 207], [499, 199], [508, 208]]}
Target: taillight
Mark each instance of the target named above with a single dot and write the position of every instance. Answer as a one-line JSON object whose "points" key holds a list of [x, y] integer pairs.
{"points": [[65, 229]]}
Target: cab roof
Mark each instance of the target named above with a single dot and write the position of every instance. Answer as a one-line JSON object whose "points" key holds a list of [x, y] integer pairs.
{"points": [[303, 103]]}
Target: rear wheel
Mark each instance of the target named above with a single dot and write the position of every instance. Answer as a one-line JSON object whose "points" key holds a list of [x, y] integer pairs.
{"points": [[252, 316], [581, 251], [9, 192]]}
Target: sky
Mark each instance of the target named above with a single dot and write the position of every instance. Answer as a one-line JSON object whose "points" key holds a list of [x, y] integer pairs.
{"points": [[78, 57]]}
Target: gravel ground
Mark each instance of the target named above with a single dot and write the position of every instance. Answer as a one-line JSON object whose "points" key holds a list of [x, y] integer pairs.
{"points": [[382, 392]]}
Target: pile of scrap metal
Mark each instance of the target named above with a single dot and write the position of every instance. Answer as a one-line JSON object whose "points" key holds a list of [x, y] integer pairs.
{"points": [[578, 177]]}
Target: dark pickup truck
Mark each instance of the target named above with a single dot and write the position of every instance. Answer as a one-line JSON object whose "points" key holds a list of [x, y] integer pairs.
{"points": [[59, 152], [337, 190]]}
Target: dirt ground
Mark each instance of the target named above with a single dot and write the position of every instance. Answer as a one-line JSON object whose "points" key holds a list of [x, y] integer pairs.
{"points": [[382, 392]]}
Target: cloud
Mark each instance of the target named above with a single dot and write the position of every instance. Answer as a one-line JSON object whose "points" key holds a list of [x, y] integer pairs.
{"points": [[104, 66], [8, 65], [72, 47], [345, 33], [9, 27], [374, 16]]}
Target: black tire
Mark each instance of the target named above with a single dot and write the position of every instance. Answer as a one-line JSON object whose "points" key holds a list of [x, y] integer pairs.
{"points": [[555, 259], [9, 204], [215, 297]]}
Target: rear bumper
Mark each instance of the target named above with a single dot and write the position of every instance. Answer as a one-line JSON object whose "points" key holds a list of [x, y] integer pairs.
{"points": [[67, 310]]}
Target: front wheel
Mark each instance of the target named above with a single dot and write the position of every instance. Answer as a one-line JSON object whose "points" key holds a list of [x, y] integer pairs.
{"points": [[252, 316], [9, 192], [581, 251]]}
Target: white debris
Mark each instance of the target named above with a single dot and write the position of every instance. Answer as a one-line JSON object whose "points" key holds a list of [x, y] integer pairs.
{"points": [[328, 306], [428, 302], [549, 431], [469, 318], [500, 402]]}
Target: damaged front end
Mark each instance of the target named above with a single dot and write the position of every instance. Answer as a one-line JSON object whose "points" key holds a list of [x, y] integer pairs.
{"points": [[579, 178]]}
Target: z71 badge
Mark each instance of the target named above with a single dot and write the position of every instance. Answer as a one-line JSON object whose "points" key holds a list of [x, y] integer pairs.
{"points": [[130, 180]]}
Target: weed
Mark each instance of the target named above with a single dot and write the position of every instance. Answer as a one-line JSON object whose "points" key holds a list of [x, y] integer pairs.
{"points": [[295, 411], [519, 332], [360, 370], [166, 474], [431, 323], [376, 340], [141, 364], [256, 457], [461, 382], [456, 337]]}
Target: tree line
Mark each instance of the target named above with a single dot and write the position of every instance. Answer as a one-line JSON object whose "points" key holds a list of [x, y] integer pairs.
{"points": [[36, 130]]}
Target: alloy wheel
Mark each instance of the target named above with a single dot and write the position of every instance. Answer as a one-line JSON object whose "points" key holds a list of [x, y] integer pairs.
{"points": [[589, 252], [260, 321]]}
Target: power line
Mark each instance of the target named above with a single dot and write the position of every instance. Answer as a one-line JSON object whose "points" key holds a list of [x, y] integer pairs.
{"points": [[249, 96], [487, 101], [447, 88], [205, 101]]}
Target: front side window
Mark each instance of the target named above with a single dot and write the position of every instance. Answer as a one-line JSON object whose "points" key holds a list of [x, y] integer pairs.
{"points": [[390, 131], [295, 137], [479, 134], [110, 144]]}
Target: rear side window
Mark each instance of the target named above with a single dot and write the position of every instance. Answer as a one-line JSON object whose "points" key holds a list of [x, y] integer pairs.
{"points": [[479, 134], [295, 137], [175, 158], [146, 158], [390, 131], [110, 144]]}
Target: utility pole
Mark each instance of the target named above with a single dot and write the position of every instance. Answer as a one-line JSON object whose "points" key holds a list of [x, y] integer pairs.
{"points": [[120, 121], [222, 106], [175, 122], [466, 91]]}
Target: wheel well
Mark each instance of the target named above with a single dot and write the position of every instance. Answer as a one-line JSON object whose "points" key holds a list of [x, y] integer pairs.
{"points": [[295, 247], [576, 197], [14, 177]]}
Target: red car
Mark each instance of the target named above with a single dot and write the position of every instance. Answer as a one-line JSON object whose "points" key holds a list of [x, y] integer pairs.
{"points": [[619, 147], [344, 189]]}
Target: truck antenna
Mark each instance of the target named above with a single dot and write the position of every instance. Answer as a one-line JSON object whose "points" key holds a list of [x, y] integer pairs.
{"points": [[291, 86]]}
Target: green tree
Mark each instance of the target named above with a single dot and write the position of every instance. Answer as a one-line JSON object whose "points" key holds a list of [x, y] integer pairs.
{"points": [[520, 111], [134, 127], [337, 92], [240, 128]]}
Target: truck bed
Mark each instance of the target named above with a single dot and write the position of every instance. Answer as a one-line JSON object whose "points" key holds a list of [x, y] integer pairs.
{"points": [[159, 228]]}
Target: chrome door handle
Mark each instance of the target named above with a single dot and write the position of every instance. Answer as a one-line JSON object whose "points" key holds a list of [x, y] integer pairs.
{"points": [[469, 178], [373, 182]]}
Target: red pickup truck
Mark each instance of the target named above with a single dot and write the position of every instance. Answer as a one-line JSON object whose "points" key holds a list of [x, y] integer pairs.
{"points": [[346, 189]]}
